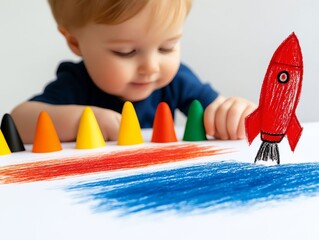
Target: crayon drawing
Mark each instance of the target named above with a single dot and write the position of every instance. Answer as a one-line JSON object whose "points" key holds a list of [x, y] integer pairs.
{"points": [[275, 116], [203, 188], [161, 191], [99, 163]]}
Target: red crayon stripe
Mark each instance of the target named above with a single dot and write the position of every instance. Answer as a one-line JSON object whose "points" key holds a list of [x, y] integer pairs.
{"points": [[119, 160]]}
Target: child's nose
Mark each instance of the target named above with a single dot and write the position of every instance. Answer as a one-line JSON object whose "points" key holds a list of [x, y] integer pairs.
{"points": [[149, 65]]}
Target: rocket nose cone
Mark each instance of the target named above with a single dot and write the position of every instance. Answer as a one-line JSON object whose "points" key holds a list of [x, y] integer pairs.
{"points": [[289, 52]]}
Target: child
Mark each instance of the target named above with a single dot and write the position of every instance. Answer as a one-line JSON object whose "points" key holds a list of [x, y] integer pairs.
{"points": [[131, 52]]}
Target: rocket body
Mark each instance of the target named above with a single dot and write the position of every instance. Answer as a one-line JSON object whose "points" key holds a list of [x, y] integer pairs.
{"points": [[275, 116]]}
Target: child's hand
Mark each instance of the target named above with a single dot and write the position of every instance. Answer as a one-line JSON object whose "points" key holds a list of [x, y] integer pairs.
{"points": [[225, 117], [109, 122]]}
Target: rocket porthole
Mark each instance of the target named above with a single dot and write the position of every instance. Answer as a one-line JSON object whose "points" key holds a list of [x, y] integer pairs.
{"points": [[283, 77]]}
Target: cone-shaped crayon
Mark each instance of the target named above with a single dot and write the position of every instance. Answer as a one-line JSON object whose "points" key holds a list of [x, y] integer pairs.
{"points": [[130, 131], [195, 130], [163, 126], [46, 138], [89, 134], [4, 148], [11, 134]]}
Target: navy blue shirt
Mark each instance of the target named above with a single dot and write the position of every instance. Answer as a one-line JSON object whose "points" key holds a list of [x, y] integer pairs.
{"points": [[74, 86]]}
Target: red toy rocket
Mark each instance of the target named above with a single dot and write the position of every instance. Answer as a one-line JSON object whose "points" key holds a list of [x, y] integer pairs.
{"points": [[275, 116]]}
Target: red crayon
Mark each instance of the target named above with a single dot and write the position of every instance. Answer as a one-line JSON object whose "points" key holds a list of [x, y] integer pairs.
{"points": [[275, 116]]}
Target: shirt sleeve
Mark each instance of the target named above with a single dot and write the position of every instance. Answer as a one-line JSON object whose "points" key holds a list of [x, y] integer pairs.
{"points": [[68, 88]]}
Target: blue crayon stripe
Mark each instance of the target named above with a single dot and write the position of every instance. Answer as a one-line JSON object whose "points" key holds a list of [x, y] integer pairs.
{"points": [[201, 188]]}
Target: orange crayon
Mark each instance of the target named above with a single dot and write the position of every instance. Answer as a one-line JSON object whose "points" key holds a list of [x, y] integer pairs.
{"points": [[46, 138]]}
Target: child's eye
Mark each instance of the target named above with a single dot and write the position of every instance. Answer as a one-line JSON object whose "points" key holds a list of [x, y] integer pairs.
{"points": [[166, 50], [124, 53]]}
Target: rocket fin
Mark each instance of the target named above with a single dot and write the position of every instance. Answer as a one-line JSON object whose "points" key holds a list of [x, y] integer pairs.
{"points": [[294, 132], [253, 125]]}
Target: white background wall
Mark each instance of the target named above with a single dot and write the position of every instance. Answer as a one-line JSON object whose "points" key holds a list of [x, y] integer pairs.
{"points": [[227, 42]]}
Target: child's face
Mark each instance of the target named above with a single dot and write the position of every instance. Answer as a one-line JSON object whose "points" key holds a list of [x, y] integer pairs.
{"points": [[131, 59]]}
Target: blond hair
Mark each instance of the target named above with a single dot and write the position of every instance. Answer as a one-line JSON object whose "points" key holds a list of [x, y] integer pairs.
{"points": [[77, 13]]}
